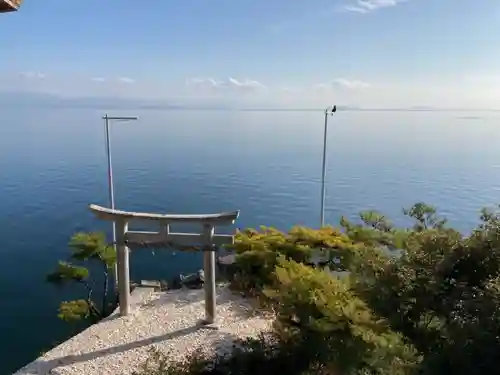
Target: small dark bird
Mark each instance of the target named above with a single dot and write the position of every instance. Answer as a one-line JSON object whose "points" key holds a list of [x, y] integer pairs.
{"points": [[334, 109]]}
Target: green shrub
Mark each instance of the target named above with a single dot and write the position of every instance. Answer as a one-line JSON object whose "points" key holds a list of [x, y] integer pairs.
{"points": [[85, 249], [257, 253], [442, 294], [418, 300], [321, 327], [335, 328]]}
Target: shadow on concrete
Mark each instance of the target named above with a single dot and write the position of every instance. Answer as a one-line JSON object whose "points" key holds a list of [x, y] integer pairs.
{"points": [[223, 346], [43, 367]]}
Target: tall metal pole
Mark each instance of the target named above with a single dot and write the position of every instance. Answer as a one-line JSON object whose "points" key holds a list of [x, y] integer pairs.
{"points": [[323, 174], [328, 111], [111, 188]]}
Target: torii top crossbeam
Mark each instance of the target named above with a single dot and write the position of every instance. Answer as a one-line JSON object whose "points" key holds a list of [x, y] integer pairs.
{"points": [[224, 218]]}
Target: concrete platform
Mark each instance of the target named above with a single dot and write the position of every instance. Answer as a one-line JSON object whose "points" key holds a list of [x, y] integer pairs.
{"points": [[168, 321]]}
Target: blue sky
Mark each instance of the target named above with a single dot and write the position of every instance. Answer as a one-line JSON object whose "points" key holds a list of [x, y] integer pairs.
{"points": [[372, 53]]}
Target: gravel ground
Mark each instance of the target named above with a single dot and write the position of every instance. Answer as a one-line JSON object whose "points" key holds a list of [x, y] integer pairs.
{"points": [[167, 321]]}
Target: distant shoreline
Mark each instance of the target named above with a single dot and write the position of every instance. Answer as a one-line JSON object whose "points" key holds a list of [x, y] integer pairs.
{"points": [[103, 107], [22, 99]]}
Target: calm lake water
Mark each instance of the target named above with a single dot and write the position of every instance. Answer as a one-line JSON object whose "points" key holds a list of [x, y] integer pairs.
{"points": [[266, 164]]}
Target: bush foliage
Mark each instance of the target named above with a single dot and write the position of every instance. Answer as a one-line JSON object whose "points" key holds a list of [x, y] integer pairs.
{"points": [[418, 300], [87, 249]]}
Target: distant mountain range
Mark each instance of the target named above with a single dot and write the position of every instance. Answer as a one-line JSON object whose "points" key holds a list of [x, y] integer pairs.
{"points": [[23, 99], [33, 99]]}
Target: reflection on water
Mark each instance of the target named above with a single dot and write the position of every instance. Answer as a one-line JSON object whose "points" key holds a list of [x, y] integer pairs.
{"points": [[266, 164]]}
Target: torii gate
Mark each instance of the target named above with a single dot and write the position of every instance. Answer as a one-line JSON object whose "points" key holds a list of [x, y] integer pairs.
{"points": [[206, 239]]}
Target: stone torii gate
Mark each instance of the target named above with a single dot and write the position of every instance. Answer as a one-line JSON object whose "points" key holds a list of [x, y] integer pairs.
{"points": [[206, 239]]}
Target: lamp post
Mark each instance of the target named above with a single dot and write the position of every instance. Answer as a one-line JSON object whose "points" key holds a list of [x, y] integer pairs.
{"points": [[111, 189], [329, 111]]}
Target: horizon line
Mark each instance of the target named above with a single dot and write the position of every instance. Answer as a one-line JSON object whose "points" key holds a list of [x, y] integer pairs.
{"points": [[48, 100]]}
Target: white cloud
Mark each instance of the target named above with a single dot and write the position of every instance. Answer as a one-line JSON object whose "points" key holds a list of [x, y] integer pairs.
{"points": [[203, 82], [33, 75], [126, 80], [350, 84], [322, 87], [367, 6], [98, 79], [229, 83], [468, 89], [246, 84], [342, 83]]}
